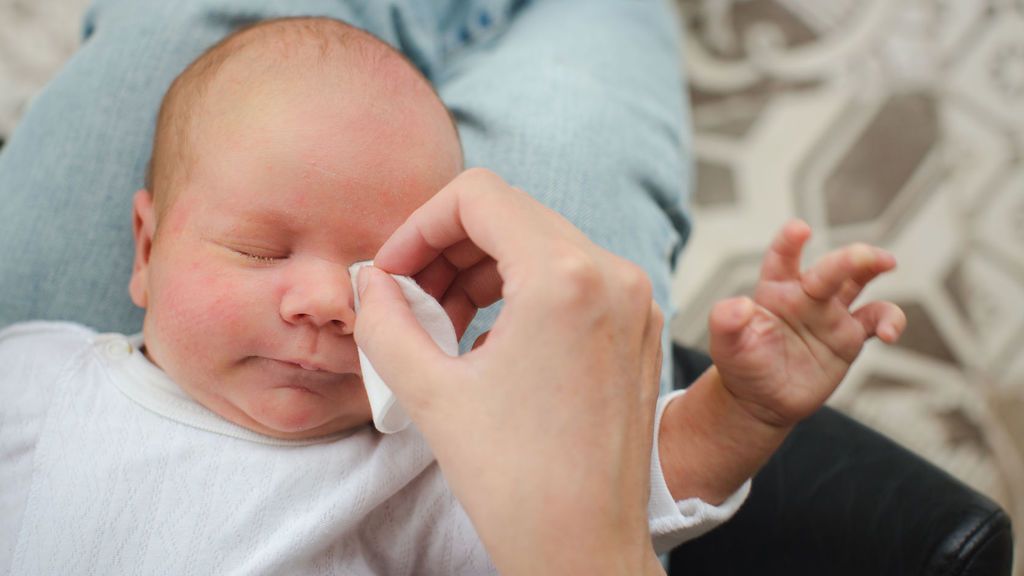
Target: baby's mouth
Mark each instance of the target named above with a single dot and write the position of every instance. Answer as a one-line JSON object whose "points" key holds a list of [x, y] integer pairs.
{"points": [[305, 365], [305, 368]]}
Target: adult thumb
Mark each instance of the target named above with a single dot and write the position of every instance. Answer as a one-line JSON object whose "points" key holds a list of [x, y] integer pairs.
{"points": [[389, 335]]}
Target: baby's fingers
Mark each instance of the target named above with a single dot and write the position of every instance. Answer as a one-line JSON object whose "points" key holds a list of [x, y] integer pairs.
{"points": [[782, 262], [883, 319], [727, 322], [845, 272]]}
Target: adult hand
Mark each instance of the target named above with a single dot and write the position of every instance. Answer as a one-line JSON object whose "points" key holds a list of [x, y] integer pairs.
{"points": [[543, 431]]}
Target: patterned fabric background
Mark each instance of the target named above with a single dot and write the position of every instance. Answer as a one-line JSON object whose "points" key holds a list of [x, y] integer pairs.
{"points": [[898, 122]]}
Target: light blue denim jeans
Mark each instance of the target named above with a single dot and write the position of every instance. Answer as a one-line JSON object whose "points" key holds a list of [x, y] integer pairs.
{"points": [[579, 102]]}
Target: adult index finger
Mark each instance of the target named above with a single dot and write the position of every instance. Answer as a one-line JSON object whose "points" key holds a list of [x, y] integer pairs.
{"points": [[498, 220]]}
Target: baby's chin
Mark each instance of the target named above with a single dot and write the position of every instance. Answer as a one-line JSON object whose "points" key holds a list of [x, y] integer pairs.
{"points": [[297, 413]]}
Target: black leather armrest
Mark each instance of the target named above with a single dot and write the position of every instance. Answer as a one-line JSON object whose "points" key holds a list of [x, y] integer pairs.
{"points": [[840, 499]]}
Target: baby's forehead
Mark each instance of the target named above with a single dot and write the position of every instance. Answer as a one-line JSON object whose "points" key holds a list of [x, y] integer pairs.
{"points": [[303, 71], [325, 50], [316, 219], [297, 75]]}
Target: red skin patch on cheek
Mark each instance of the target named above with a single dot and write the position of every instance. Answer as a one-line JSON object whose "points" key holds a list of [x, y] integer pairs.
{"points": [[198, 297], [220, 298]]}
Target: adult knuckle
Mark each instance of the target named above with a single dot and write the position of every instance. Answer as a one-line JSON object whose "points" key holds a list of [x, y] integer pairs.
{"points": [[657, 317], [635, 282], [577, 277]]}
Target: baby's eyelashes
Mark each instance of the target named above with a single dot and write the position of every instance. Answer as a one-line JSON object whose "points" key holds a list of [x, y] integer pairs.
{"points": [[263, 259], [250, 250]]}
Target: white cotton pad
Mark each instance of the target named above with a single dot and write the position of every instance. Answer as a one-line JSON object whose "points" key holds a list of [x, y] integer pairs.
{"points": [[388, 415]]}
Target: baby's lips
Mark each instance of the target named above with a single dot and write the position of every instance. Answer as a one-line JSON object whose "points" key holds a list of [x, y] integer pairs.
{"points": [[320, 366], [312, 366]]}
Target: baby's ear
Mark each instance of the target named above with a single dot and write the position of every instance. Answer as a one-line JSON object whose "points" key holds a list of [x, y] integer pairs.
{"points": [[143, 227]]}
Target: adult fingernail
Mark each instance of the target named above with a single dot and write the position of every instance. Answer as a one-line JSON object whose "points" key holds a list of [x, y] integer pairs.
{"points": [[363, 279]]}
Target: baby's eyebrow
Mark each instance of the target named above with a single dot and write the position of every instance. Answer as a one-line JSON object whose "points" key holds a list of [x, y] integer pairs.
{"points": [[261, 216], [248, 225]]}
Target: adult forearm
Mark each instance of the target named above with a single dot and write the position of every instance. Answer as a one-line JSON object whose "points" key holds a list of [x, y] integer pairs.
{"points": [[709, 445]]}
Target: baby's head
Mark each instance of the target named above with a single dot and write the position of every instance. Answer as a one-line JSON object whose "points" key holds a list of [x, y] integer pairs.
{"points": [[283, 155]]}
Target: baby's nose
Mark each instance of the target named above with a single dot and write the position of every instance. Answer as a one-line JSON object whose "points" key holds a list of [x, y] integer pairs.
{"points": [[321, 296]]}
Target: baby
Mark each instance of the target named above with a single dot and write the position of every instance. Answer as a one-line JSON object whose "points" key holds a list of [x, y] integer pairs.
{"points": [[282, 156], [231, 436]]}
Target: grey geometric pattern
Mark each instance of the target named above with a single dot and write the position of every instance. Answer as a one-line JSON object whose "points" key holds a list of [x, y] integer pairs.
{"points": [[896, 122], [36, 38]]}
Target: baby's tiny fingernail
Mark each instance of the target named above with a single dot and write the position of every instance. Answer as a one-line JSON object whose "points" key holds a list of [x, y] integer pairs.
{"points": [[862, 255], [745, 308]]}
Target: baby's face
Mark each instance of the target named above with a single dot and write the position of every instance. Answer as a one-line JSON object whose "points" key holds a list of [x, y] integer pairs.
{"points": [[248, 296]]}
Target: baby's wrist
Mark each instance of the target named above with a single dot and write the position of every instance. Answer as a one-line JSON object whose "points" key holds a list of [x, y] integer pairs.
{"points": [[709, 444], [756, 419], [759, 414]]}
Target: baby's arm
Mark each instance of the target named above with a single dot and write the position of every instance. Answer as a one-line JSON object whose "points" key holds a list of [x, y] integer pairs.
{"points": [[777, 359]]}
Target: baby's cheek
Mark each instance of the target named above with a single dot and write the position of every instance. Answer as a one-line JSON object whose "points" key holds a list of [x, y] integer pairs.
{"points": [[204, 302]]}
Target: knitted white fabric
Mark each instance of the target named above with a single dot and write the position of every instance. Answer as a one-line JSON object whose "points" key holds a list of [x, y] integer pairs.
{"points": [[107, 467], [693, 517]]}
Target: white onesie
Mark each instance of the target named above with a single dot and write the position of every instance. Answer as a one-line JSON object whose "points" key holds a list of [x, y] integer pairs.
{"points": [[107, 467]]}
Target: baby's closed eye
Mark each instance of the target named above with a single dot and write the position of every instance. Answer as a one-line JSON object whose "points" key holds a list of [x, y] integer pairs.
{"points": [[258, 257], [262, 253]]}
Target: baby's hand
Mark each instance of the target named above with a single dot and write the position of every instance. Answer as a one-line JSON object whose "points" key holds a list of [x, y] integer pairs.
{"points": [[782, 354]]}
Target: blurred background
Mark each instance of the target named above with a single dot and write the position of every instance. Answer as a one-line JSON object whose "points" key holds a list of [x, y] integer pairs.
{"points": [[896, 122]]}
